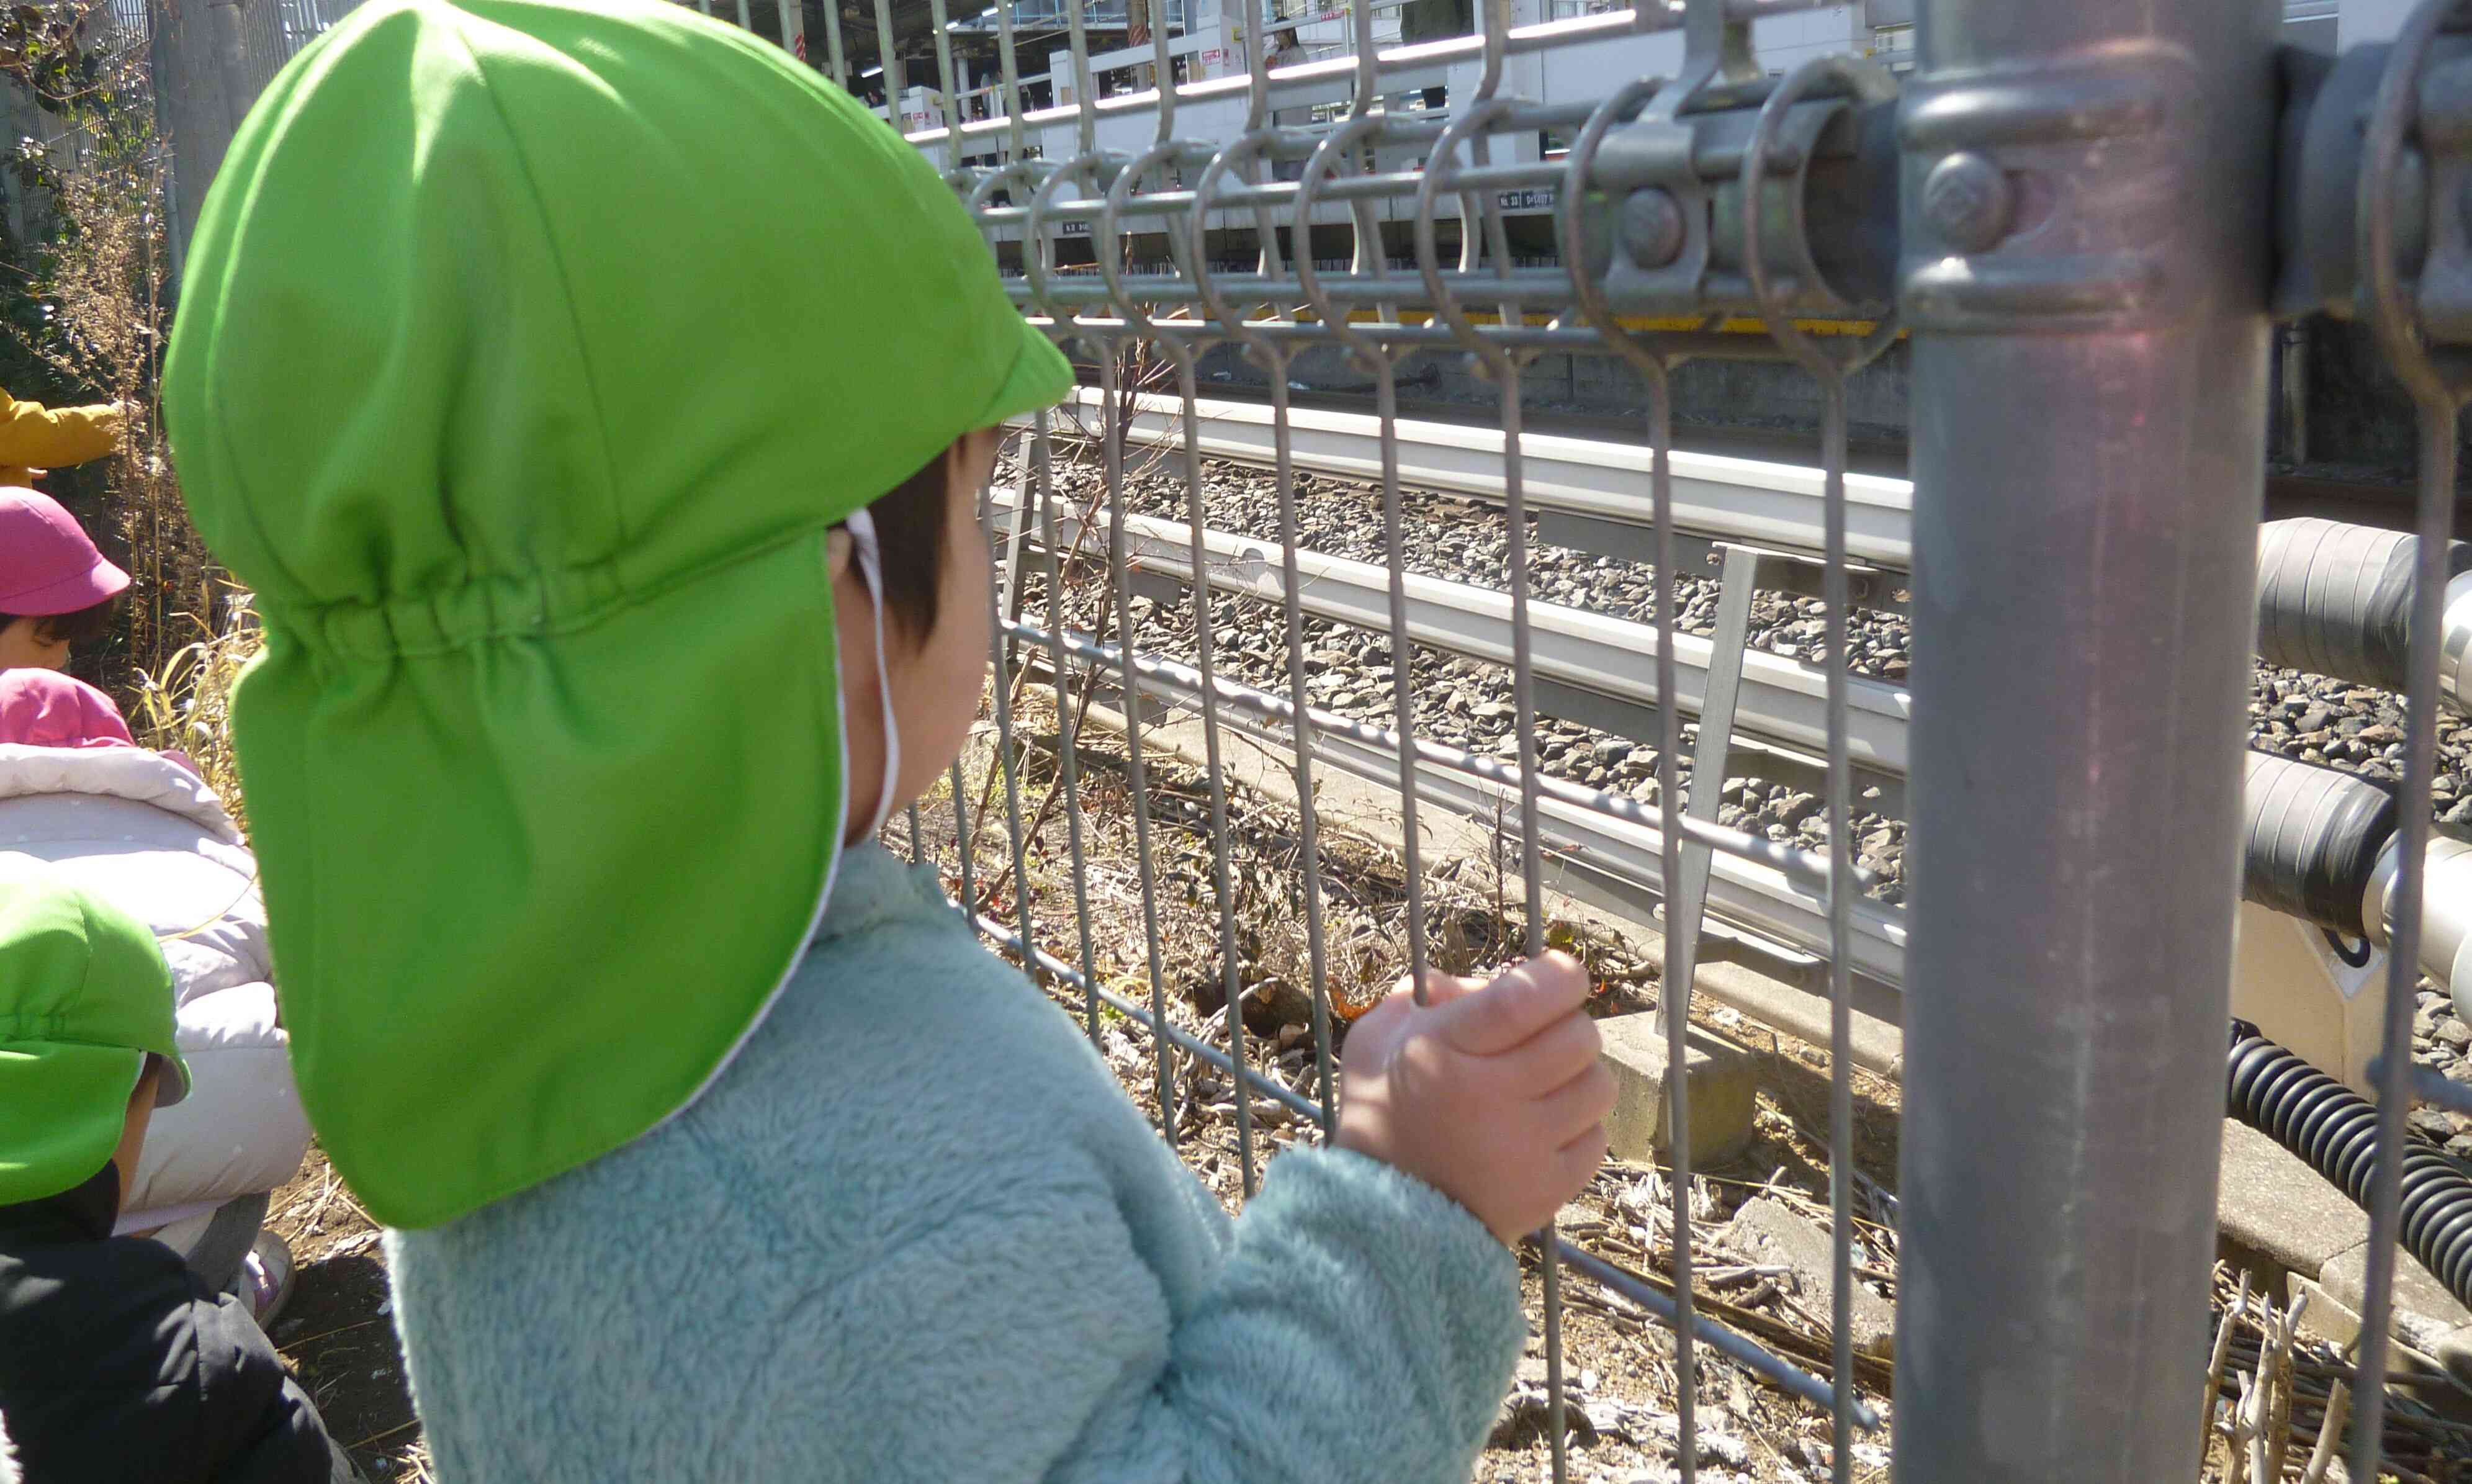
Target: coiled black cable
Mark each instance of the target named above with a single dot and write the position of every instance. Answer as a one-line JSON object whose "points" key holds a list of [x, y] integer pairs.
{"points": [[2336, 1130]]}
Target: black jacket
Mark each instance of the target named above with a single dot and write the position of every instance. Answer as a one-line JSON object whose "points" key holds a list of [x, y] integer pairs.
{"points": [[116, 1363]]}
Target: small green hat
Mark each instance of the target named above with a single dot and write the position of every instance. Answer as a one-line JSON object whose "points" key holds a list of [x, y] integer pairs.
{"points": [[526, 353], [84, 998]]}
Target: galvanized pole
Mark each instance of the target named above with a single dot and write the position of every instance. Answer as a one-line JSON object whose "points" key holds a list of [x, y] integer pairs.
{"points": [[2085, 231]]}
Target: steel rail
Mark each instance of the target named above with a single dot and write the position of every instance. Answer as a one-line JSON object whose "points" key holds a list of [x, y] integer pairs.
{"points": [[1578, 827], [1776, 507], [1781, 701]]}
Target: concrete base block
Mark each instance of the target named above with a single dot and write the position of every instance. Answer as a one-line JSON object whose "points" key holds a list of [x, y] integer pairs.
{"points": [[1768, 1231], [1724, 1084], [2278, 1214]]}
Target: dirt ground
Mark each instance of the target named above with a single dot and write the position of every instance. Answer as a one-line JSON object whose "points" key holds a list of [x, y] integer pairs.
{"points": [[338, 1331]]}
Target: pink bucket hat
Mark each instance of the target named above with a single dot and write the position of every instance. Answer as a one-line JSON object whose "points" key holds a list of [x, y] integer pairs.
{"points": [[46, 708], [47, 565]]}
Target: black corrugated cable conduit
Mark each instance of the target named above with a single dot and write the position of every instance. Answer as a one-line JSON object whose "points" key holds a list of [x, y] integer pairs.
{"points": [[2336, 1130]]}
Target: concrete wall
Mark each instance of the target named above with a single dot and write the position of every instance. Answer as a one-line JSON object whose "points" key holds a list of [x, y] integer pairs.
{"points": [[1719, 397], [2359, 422]]}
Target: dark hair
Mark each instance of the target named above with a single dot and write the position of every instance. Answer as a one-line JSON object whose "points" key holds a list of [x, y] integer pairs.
{"points": [[82, 627], [909, 522]]}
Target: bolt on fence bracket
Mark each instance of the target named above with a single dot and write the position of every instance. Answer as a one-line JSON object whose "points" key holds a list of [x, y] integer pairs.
{"points": [[1665, 236], [2052, 199]]}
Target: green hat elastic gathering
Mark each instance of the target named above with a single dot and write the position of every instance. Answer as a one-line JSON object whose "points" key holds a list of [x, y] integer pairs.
{"points": [[526, 353], [84, 998]]}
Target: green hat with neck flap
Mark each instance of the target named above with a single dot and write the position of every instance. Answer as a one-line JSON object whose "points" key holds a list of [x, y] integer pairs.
{"points": [[86, 1002], [526, 353]]}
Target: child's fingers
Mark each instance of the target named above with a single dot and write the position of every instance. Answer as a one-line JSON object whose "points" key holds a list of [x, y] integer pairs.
{"points": [[1441, 989], [1515, 1006], [1576, 1104], [1578, 1161], [1553, 1055]]}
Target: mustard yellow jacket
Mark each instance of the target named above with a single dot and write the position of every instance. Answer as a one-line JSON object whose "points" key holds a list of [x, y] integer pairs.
{"points": [[34, 436]]}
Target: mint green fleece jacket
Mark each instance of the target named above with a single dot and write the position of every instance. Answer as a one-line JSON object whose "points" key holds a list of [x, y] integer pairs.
{"points": [[915, 1231]]}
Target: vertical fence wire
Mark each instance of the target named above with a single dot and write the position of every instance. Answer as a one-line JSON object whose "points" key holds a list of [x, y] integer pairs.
{"points": [[1830, 373], [965, 839], [1243, 156], [1008, 747], [1111, 397], [1139, 330], [2435, 511], [1677, 957], [1480, 230], [2438, 393], [1068, 718], [1679, 962], [1205, 642]]}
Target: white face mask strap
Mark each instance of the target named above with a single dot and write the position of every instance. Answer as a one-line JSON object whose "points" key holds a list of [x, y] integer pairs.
{"points": [[861, 529]]}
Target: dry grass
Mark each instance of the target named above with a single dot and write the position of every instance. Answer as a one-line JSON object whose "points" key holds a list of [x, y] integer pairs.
{"points": [[338, 1334], [185, 701], [102, 280]]}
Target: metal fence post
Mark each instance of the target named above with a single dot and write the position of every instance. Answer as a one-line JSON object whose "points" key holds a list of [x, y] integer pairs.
{"points": [[2085, 209]]}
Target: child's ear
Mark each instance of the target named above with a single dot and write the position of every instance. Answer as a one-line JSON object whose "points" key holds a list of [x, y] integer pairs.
{"points": [[837, 548]]}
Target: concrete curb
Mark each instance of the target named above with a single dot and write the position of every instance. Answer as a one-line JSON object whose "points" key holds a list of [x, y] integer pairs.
{"points": [[2277, 1214]]}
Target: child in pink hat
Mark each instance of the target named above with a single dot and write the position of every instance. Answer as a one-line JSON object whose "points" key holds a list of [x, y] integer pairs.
{"points": [[46, 708], [42, 707], [55, 588]]}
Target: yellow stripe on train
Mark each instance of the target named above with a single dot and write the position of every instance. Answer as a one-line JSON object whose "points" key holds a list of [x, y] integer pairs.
{"points": [[1741, 325]]}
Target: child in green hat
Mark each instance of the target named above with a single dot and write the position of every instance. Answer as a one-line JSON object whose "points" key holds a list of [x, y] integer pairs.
{"points": [[116, 1361], [596, 400]]}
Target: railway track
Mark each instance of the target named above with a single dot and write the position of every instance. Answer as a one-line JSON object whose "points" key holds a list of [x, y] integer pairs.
{"points": [[2334, 494], [1594, 653]]}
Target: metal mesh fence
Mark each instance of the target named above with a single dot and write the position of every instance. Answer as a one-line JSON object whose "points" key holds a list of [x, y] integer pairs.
{"points": [[1155, 280]]}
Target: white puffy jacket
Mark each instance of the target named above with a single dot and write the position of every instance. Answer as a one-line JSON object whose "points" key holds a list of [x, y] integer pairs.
{"points": [[150, 837]]}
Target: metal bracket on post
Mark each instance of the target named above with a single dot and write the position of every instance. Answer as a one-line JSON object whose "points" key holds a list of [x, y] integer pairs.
{"points": [[1665, 236], [2120, 258]]}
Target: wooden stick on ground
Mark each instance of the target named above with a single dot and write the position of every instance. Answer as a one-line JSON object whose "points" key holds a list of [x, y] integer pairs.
{"points": [[2329, 1435], [2215, 1367]]}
